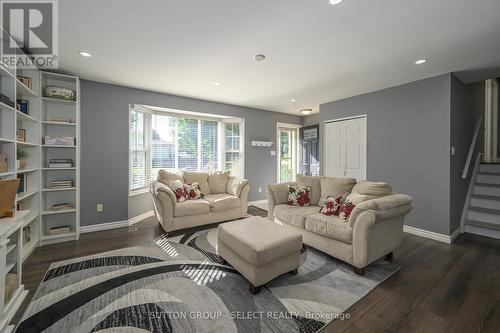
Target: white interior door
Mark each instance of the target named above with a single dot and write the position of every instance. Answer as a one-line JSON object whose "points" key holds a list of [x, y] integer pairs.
{"points": [[345, 148]]}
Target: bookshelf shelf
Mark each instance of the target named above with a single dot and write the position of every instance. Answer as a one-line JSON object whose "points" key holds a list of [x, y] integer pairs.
{"points": [[4, 140], [57, 101], [59, 189], [65, 235], [24, 116], [57, 169], [26, 144], [5, 107], [55, 212], [19, 171], [6, 174], [57, 123], [24, 90], [57, 146], [27, 195]]}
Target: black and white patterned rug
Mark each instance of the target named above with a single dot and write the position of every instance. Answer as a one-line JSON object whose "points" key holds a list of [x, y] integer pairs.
{"points": [[177, 285]]}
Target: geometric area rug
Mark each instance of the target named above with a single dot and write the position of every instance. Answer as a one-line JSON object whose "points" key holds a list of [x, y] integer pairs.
{"points": [[177, 285]]}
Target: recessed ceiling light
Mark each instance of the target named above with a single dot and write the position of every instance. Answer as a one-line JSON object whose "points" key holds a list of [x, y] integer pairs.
{"points": [[216, 83], [420, 61], [293, 100], [85, 54], [259, 57], [305, 112], [335, 2]]}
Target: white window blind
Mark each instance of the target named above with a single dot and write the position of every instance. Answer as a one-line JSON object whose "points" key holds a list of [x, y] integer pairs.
{"points": [[233, 151], [164, 141], [139, 153]]}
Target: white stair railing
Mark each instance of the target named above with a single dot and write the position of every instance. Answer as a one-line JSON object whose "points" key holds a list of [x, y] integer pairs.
{"points": [[477, 131]]}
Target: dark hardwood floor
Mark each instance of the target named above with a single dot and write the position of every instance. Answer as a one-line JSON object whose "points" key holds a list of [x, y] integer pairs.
{"points": [[440, 288]]}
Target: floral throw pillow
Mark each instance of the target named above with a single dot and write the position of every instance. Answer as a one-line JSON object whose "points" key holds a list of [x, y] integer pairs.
{"points": [[298, 195], [193, 191], [332, 206], [346, 210], [179, 190]]}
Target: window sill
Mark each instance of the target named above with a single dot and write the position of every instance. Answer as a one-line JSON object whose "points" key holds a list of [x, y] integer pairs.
{"points": [[138, 192]]}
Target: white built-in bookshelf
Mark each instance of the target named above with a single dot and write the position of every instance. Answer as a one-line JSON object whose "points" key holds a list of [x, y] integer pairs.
{"points": [[46, 116]]}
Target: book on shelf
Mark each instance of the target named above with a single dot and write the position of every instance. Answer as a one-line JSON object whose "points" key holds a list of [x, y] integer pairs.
{"points": [[61, 206], [60, 163], [26, 80], [59, 141], [23, 106], [59, 230], [26, 234], [61, 119], [58, 184]]}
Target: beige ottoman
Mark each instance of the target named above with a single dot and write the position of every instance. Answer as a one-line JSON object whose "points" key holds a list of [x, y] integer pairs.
{"points": [[259, 249]]}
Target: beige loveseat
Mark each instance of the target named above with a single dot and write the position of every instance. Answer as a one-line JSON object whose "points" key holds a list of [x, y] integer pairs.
{"points": [[373, 230], [225, 199]]}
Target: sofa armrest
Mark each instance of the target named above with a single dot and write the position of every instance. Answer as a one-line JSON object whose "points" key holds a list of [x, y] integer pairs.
{"points": [[379, 230], [235, 186], [271, 202], [385, 207], [279, 192], [163, 202]]}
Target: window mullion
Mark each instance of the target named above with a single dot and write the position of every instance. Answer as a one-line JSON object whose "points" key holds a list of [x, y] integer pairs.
{"points": [[199, 145]]}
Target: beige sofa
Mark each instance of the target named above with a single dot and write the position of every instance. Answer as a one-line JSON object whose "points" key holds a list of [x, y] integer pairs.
{"points": [[373, 230], [225, 199]]}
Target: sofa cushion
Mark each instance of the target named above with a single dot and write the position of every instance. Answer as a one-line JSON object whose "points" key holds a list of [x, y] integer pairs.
{"points": [[259, 241], [192, 207], [331, 186], [179, 190], [222, 202], [375, 189], [197, 177], [280, 192], [315, 183], [166, 177], [193, 191], [329, 226], [299, 195], [332, 206], [217, 182], [294, 215]]}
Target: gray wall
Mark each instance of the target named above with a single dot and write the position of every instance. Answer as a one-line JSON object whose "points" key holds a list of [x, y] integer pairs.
{"points": [[408, 130], [312, 119], [104, 109], [463, 118]]}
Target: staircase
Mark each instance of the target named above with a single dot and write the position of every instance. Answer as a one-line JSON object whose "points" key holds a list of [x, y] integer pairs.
{"points": [[483, 216]]}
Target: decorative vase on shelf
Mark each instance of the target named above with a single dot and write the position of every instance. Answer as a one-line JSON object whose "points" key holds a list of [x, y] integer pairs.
{"points": [[21, 164]]}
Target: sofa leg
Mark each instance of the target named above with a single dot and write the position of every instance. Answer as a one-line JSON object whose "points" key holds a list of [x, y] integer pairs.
{"points": [[359, 271], [389, 257], [253, 289], [295, 271]]}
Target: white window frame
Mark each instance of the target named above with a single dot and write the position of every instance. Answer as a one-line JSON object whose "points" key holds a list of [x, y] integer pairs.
{"points": [[278, 148], [185, 114], [143, 189]]}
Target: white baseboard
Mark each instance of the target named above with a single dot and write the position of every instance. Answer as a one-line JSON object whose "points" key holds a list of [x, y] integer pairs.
{"points": [[114, 225], [432, 235], [251, 203], [141, 217]]}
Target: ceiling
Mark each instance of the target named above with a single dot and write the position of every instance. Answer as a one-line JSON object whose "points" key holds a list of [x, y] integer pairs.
{"points": [[316, 52]]}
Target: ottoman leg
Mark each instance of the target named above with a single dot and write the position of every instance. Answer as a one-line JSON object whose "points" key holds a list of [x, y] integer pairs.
{"points": [[222, 260], [295, 271], [390, 257], [253, 289]]}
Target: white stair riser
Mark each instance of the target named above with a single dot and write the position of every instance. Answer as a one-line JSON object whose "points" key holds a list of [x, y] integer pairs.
{"points": [[484, 190], [485, 203], [484, 217], [482, 231], [488, 179], [489, 168]]}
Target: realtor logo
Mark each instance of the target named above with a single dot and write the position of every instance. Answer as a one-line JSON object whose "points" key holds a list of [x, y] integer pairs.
{"points": [[32, 27]]}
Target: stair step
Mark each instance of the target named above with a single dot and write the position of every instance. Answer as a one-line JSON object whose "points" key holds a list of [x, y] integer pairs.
{"points": [[490, 173], [489, 168], [486, 203], [486, 197], [480, 224], [488, 178], [484, 215], [487, 189]]}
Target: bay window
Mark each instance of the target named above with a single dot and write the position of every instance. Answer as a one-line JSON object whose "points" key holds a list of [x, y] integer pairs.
{"points": [[176, 142]]}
